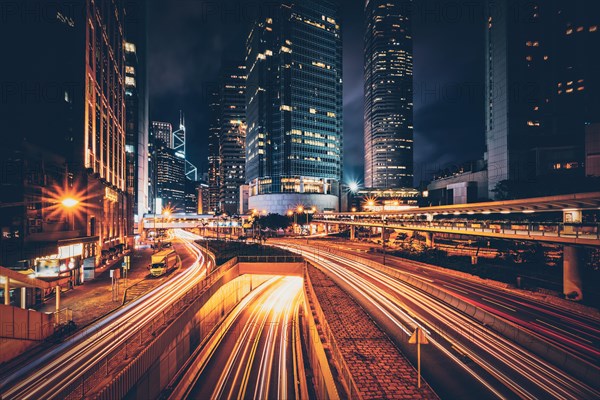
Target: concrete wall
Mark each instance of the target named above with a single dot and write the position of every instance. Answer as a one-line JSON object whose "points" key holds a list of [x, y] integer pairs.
{"points": [[22, 329]]}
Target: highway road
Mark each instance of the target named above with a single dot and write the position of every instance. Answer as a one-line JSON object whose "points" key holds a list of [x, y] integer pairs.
{"points": [[254, 356], [460, 346], [573, 332], [63, 366]]}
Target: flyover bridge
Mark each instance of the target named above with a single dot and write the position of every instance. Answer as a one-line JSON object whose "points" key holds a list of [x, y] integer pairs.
{"points": [[495, 220]]}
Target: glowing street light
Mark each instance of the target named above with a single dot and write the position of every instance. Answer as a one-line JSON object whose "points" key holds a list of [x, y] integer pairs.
{"points": [[69, 202], [353, 186]]}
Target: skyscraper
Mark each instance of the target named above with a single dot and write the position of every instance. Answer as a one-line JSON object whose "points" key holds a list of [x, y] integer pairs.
{"points": [[388, 81], [232, 137], [294, 107], [163, 131], [74, 64], [542, 90], [136, 103], [214, 106], [170, 179]]}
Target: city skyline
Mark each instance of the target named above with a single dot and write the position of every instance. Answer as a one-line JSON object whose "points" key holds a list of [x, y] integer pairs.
{"points": [[455, 90], [183, 210]]}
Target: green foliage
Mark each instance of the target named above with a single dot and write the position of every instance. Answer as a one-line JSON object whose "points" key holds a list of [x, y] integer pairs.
{"points": [[274, 221]]}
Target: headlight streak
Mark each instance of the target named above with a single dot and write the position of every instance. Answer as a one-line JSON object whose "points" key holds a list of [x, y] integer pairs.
{"points": [[278, 300], [66, 363], [547, 377]]}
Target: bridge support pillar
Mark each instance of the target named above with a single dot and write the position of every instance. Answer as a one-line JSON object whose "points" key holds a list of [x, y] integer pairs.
{"points": [[572, 264], [6, 291], [23, 298], [383, 234], [352, 232], [429, 241], [57, 298]]}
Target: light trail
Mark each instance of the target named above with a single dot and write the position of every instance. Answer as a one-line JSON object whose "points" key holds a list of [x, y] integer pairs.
{"points": [[250, 357], [63, 365], [525, 374], [525, 311]]}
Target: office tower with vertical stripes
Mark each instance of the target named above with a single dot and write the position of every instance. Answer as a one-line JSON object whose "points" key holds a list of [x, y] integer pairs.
{"points": [[388, 82]]}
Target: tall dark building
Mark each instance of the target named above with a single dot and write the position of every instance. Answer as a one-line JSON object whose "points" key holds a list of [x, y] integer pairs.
{"points": [[170, 179], [232, 137], [542, 91], [192, 200], [136, 108], [163, 131], [294, 107], [67, 72], [214, 106], [388, 80]]}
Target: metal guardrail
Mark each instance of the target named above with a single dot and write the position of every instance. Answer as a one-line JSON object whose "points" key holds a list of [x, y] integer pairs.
{"points": [[270, 259], [549, 229]]}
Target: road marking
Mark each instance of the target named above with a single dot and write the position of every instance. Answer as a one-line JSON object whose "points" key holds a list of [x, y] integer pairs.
{"points": [[562, 330], [498, 304]]}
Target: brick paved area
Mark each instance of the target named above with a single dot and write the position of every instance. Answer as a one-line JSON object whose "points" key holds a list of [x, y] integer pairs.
{"points": [[377, 366]]}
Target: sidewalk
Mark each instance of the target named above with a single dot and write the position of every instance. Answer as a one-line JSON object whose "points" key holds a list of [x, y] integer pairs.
{"points": [[94, 298], [375, 363]]}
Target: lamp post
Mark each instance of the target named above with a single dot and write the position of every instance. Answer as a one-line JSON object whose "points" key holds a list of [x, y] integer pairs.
{"points": [[383, 238]]}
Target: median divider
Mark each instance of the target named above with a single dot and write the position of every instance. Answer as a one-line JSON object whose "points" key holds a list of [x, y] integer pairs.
{"points": [[323, 378], [577, 367]]}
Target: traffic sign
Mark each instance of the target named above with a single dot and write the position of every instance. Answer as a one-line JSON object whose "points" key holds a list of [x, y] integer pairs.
{"points": [[418, 334], [418, 338]]}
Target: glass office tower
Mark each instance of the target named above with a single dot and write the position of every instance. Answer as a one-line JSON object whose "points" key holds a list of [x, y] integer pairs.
{"points": [[388, 79], [294, 108]]}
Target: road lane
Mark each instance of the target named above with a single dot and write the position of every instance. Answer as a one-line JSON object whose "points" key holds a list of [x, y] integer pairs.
{"points": [[65, 364], [526, 375], [575, 333], [254, 357]]}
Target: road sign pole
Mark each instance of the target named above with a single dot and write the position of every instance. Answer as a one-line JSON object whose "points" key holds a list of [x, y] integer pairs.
{"points": [[418, 359]]}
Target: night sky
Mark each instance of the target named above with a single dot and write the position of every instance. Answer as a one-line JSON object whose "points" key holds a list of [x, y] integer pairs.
{"points": [[188, 39]]}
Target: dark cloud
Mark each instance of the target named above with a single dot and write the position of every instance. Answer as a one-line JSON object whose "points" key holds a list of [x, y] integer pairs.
{"points": [[188, 39]]}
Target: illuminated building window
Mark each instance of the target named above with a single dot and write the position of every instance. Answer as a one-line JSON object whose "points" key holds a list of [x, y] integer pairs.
{"points": [[312, 111], [285, 108], [593, 28], [569, 31]]}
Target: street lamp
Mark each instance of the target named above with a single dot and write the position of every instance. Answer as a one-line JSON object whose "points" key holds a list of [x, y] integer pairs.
{"points": [[69, 203], [383, 238]]}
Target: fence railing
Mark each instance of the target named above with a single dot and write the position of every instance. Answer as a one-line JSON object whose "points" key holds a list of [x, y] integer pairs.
{"points": [[270, 259], [551, 229]]}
